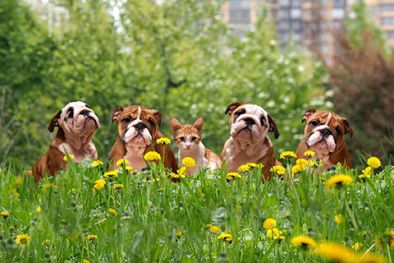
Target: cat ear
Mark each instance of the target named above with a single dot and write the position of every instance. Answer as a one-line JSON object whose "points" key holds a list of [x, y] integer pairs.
{"points": [[175, 124], [198, 124]]}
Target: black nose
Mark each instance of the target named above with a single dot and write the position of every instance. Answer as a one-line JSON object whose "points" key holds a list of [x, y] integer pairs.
{"points": [[140, 126], [249, 122], [325, 132], [84, 113]]}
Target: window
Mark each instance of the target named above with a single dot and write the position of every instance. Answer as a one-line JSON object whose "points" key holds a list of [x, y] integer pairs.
{"points": [[296, 25], [338, 13], [387, 7], [283, 13], [296, 13], [283, 25], [390, 34], [387, 21], [239, 4], [284, 2], [339, 3], [241, 16]]}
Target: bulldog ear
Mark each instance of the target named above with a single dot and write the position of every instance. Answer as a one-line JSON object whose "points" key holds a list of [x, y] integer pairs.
{"points": [[54, 122], [157, 115], [232, 107], [348, 128], [272, 127], [175, 124], [307, 114], [115, 113], [198, 124]]}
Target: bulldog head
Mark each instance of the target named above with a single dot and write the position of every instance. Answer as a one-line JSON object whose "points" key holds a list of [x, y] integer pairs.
{"points": [[250, 123], [137, 125], [324, 131], [75, 119]]}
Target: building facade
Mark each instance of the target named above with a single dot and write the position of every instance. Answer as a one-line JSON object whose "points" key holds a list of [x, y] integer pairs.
{"points": [[382, 12]]}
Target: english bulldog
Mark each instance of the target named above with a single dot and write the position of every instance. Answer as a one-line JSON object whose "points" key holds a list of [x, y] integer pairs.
{"points": [[325, 135], [76, 124], [138, 130], [249, 142]]}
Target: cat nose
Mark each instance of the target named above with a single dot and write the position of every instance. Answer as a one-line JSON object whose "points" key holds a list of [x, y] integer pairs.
{"points": [[188, 147]]}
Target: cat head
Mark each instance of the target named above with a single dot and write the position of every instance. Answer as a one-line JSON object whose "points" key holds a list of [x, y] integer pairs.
{"points": [[187, 137]]}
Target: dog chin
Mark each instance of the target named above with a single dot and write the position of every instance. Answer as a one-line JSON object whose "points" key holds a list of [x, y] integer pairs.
{"points": [[247, 135], [138, 139]]}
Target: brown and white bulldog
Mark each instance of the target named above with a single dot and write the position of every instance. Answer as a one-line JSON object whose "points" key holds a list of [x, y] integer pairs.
{"points": [[76, 124], [138, 130], [249, 142], [324, 134]]}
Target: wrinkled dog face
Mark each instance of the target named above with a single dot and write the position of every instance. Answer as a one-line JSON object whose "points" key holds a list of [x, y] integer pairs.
{"points": [[137, 125], [76, 118], [324, 130], [250, 123]]}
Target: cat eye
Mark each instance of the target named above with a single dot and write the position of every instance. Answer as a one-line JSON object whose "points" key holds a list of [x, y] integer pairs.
{"points": [[182, 138], [314, 123], [194, 138], [127, 120]]}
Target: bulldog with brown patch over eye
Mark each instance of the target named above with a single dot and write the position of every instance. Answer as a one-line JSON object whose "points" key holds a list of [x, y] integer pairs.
{"points": [[324, 134], [249, 142], [76, 124], [138, 130]]}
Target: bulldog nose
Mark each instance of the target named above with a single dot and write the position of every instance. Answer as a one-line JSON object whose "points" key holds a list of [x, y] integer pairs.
{"points": [[84, 113], [249, 121], [325, 132], [140, 126]]}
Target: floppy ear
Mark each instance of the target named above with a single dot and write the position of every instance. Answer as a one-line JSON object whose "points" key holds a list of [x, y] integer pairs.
{"points": [[54, 122], [198, 124], [348, 128], [157, 117], [232, 107], [115, 113], [272, 127], [175, 124], [307, 114]]}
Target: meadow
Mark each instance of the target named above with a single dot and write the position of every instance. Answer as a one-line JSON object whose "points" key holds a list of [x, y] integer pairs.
{"points": [[85, 214]]}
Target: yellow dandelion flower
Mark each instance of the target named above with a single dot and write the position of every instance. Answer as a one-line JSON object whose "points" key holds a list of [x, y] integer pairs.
{"points": [[339, 219], [174, 175], [335, 252], [188, 162], [269, 223], [152, 156], [356, 246], [312, 163], [99, 184], [22, 239], [339, 180], [45, 242], [386, 239], [48, 186], [372, 258], [85, 260], [273, 233], [122, 162], [91, 237], [302, 162], [244, 168], [231, 175], [309, 153], [287, 155], [5, 214], [213, 229], [366, 173], [304, 242], [38, 209], [111, 174], [374, 162], [297, 169], [128, 168], [69, 156], [163, 140], [225, 237], [117, 186], [278, 170], [178, 233], [113, 212], [97, 163]]}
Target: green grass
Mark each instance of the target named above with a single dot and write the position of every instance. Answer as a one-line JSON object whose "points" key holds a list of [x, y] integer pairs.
{"points": [[165, 221]]}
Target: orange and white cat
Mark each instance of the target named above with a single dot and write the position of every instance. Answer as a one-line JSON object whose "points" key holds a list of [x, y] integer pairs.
{"points": [[188, 140]]}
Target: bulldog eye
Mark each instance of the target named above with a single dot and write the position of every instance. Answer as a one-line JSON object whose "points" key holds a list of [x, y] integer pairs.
{"points": [[151, 122], [239, 113], [314, 123], [262, 120], [127, 120], [338, 129], [70, 113]]}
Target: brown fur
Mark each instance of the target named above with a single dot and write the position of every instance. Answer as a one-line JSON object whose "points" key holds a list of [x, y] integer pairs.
{"points": [[341, 154]]}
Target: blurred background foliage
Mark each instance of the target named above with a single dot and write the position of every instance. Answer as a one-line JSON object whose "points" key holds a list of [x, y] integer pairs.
{"points": [[177, 57]]}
